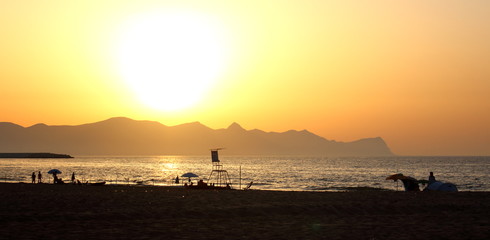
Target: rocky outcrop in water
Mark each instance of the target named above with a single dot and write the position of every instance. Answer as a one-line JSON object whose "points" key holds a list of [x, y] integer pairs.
{"points": [[34, 155]]}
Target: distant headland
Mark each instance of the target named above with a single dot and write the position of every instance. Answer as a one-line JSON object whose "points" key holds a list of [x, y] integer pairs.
{"points": [[124, 136], [34, 155]]}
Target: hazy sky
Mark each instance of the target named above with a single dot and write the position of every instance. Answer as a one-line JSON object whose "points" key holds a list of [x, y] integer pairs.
{"points": [[416, 73]]}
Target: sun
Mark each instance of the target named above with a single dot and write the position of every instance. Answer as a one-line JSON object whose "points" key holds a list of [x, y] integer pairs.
{"points": [[171, 59]]}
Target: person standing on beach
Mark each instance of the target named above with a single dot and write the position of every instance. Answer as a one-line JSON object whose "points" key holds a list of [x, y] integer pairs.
{"points": [[73, 177], [39, 177], [33, 176], [177, 180], [55, 178]]}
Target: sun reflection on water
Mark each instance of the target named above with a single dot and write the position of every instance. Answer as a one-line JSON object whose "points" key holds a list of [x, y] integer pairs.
{"points": [[272, 173]]}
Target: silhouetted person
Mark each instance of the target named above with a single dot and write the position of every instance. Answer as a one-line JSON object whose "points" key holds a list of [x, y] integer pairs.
{"points": [[60, 181], [431, 178], [55, 178], [177, 180], [73, 177], [39, 177], [33, 176]]}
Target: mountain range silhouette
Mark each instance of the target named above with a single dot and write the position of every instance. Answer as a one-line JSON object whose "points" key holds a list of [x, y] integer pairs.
{"points": [[124, 136]]}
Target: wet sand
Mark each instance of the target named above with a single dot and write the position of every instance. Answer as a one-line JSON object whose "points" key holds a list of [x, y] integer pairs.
{"points": [[44, 211]]}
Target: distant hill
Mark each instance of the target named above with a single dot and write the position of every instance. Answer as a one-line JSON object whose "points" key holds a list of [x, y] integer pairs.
{"points": [[124, 136]]}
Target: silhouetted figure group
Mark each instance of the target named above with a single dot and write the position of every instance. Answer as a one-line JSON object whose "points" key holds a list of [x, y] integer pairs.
{"points": [[56, 180], [39, 177], [60, 180], [202, 184]]}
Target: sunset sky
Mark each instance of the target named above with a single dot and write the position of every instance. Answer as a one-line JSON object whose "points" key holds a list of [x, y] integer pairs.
{"points": [[416, 73]]}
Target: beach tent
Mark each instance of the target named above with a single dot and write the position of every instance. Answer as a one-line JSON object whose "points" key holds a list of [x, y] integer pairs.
{"points": [[409, 183], [395, 177], [443, 187]]}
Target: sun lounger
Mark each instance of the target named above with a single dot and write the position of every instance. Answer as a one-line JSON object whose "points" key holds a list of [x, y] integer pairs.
{"points": [[249, 185]]}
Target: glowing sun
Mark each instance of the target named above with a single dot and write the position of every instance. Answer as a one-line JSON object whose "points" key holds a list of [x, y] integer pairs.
{"points": [[171, 59]]}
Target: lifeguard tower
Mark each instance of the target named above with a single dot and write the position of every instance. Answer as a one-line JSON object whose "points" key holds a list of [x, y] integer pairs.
{"points": [[218, 177]]}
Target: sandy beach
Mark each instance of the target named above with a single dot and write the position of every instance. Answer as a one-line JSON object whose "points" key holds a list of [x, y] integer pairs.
{"points": [[45, 211]]}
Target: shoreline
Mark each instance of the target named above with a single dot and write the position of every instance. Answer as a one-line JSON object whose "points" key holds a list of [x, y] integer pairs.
{"points": [[31, 211], [171, 185]]}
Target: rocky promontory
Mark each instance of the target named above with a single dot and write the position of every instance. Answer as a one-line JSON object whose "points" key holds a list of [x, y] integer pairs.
{"points": [[34, 155]]}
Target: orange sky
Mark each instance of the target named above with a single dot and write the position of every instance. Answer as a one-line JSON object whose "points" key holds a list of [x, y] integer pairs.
{"points": [[413, 72]]}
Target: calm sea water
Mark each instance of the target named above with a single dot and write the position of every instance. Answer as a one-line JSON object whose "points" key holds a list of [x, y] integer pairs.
{"points": [[269, 173]]}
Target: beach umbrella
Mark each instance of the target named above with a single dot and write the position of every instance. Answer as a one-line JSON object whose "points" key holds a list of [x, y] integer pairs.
{"points": [[54, 171], [189, 175], [410, 183], [400, 176], [395, 177]]}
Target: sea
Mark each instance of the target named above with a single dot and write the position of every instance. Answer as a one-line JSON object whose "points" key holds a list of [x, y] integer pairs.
{"points": [[283, 173]]}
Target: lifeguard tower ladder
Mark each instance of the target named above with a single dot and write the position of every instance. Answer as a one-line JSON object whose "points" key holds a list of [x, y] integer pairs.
{"points": [[218, 177]]}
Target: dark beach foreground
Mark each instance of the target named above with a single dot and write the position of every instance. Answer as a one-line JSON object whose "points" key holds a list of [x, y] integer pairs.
{"points": [[45, 211]]}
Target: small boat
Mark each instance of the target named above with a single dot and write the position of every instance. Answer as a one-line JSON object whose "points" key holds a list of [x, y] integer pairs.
{"points": [[208, 187], [97, 183]]}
